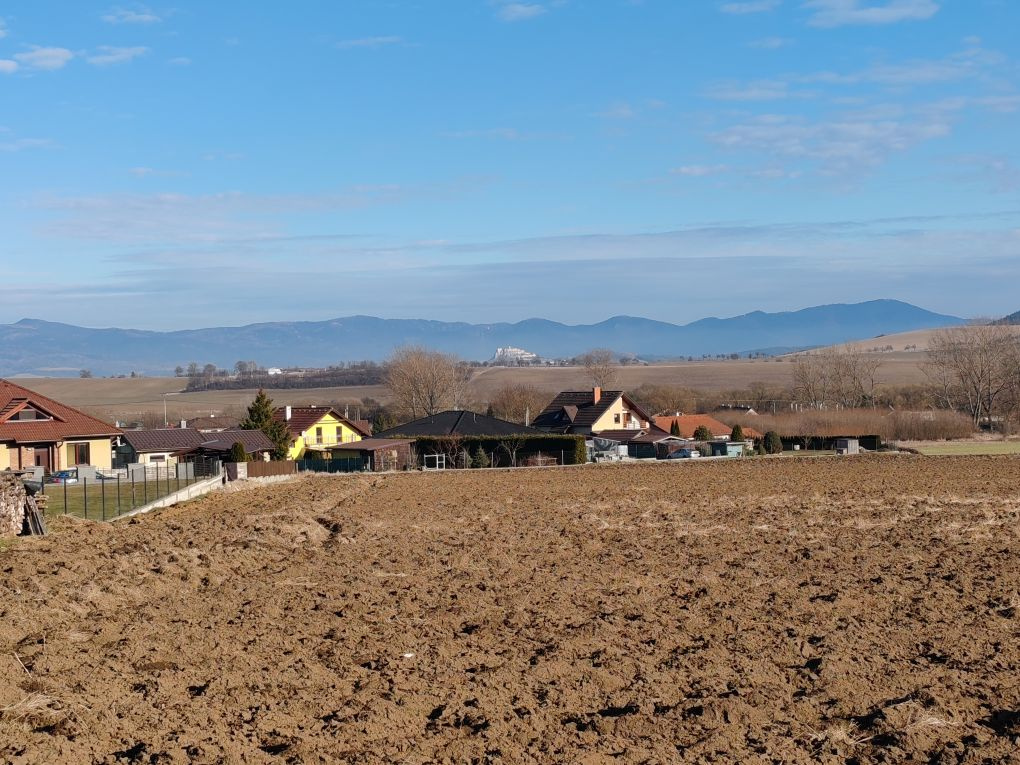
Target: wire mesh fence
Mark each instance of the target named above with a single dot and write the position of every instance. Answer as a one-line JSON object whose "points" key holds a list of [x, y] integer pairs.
{"points": [[105, 497]]}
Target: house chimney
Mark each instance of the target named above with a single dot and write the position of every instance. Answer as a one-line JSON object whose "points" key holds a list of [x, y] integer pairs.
{"points": [[596, 394], [184, 424], [286, 413]]}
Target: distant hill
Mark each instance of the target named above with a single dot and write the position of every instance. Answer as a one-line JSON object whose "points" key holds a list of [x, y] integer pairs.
{"points": [[1013, 318], [31, 346]]}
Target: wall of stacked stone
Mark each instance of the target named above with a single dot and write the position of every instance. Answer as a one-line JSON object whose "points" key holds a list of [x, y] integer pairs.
{"points": [[12, 504]]}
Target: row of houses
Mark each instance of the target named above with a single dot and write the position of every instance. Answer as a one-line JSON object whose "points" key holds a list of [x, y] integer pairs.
{"points": [[39, 432]]}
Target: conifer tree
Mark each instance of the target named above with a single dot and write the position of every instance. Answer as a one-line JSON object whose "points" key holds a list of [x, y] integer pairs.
{"points": [[737, 434], [674, 429], [260, 417]]}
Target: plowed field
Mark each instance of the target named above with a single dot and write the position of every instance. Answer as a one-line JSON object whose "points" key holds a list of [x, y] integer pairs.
{"points": [[765, 610]]}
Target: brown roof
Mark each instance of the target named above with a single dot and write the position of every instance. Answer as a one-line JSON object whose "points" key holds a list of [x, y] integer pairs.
{"points": [[185, 440], [163, 439], [578, 410], [221, 422], [688, 423], [304, 417], [642, 436], [66, 423]]}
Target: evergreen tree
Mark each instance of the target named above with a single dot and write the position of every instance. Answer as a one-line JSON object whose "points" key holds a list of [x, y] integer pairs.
{"points": [[773, 443], [737, 434], [702, 434], [237, 452], [674, 429], [480, 459], [260, 417]]}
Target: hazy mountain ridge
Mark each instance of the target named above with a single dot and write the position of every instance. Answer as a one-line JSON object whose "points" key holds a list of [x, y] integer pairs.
{"points": [[32, 346]]}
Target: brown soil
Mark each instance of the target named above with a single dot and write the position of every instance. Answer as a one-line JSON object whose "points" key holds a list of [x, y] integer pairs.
{"points": [[768, 610]]}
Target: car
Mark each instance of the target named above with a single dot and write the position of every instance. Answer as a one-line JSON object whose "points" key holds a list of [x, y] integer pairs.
{"points": [[683, 454], [63, 476]]}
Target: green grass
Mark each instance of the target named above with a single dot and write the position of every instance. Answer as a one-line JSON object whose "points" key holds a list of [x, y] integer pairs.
{"points": [[972, 448], [100, 507]]}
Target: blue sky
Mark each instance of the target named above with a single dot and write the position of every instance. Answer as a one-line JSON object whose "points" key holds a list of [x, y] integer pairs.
{"points": [[196, 163]]}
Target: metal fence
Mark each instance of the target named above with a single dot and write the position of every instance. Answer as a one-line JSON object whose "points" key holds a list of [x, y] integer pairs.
{"points": [[105, 497]]}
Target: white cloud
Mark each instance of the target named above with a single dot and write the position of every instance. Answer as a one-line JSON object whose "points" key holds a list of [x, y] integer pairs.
{"points": [[109, 55], [369, 42], [44, 58], [140, 15], [699, 171], [180, 61], [21, 144], [620, 110], [757, 90], [7, 66], [518, 11], [505, 134], [751, 6], [771, 43], [843, 145], [3, 29], [836, 13]]}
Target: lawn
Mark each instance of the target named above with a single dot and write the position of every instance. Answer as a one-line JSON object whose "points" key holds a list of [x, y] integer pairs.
{"points": [[101, 500]]}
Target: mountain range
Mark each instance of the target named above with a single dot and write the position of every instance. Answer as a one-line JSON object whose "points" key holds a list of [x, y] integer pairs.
{"points": [[35, 347]]}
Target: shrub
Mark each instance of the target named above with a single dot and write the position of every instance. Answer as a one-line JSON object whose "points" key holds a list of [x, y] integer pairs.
{"points": [[702, 434], [737, 434], [237, 452], [773, 443]]}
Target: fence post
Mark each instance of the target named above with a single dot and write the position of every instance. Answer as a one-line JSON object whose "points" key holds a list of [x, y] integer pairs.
{"points": [[85, 494], [145, 485], [65, 497], [102, 489], [133, 479], [118, 493]]}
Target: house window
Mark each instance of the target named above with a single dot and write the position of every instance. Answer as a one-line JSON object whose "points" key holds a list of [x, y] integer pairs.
{"points": [[616, 418], [157, 458], [318, 435], [79, 454], [28, 413]]}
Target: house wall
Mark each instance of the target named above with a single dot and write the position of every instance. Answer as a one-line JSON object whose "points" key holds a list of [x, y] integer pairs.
{"points": [[616, 417], [5, 457], [147, 458], [333, 432], [100, 453]]}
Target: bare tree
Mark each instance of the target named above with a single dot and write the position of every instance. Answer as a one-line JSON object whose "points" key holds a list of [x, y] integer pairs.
{"points": [[843, 377], [975, 369], [600, 366], [666, 399], [512, 444], [425, 382], [519, 402]]}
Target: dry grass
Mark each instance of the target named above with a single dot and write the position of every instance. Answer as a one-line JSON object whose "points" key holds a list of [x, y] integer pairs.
{"points": [[891, 426]]}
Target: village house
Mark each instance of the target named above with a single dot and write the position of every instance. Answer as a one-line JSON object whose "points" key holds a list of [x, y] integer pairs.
{"points": [[36, 431], [592, 411], [169, 446], [687, 424], [319, 430]]}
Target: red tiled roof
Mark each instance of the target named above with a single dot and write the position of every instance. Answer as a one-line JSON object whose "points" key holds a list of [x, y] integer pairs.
{"points": [[688, 423], [304, 417], [66, 423]]}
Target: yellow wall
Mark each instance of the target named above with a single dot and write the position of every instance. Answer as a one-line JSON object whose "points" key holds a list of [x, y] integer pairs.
{"points": [[100, 453], [5, 458], [608, 420], [146, 459], [334, 431]]}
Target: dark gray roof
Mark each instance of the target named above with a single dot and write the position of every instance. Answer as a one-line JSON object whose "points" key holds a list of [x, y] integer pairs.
{"points": [[460, 423], [254, 441], [577, 410]]}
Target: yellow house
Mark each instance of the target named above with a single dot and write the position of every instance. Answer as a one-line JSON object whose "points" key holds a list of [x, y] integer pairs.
{"points": [[318, 429], [36, 431]]}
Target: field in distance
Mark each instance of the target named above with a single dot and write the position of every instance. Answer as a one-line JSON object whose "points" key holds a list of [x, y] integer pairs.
{"points": [[780, 610], [129, 398]]}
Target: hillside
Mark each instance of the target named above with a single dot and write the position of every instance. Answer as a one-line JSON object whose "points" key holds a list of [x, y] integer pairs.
{"points": [[31, 346]]}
